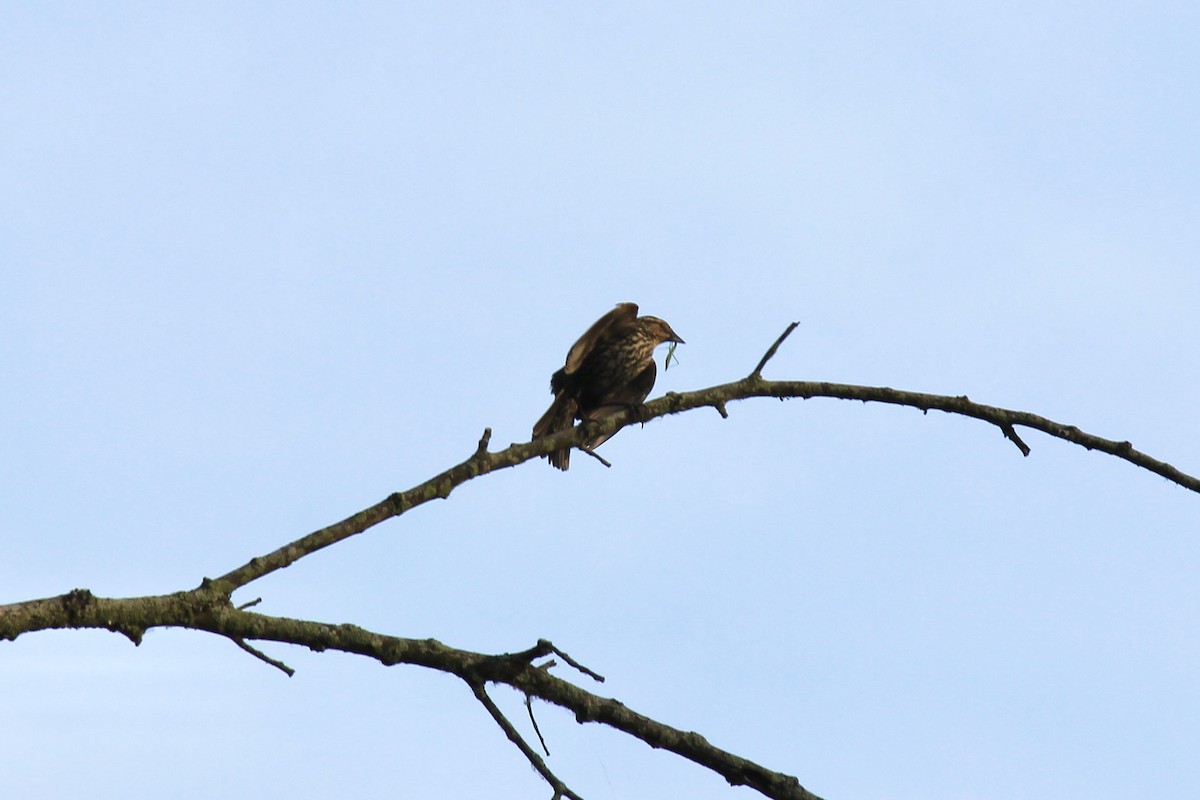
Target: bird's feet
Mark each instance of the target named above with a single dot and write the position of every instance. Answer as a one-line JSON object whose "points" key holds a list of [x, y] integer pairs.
{"points": [[640, 412]]}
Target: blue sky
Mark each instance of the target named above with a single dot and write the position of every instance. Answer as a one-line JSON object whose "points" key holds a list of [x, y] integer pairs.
{"points": [[264, 265]]}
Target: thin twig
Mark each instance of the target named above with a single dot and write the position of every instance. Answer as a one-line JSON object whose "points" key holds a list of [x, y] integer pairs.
{"points": [[261, 656], [595, 455], [536, 729], [596, 676], [771, 351], [1012, 436], [515, 737]]}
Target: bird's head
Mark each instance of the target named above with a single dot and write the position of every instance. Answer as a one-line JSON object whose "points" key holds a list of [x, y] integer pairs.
{"points": [[658, 330]]}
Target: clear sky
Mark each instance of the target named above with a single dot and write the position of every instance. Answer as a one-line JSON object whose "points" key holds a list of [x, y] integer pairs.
{"points": [[263, 264]]}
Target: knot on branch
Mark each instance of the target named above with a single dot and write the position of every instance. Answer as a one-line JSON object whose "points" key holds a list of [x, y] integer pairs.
{"points": [[76, 603]]}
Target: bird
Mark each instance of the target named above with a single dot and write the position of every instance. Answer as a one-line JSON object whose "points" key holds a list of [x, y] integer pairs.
{"points": [[611, 367]]}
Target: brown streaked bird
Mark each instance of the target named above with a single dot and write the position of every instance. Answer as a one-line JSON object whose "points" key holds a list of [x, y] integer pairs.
{"points": [[611, 367]]}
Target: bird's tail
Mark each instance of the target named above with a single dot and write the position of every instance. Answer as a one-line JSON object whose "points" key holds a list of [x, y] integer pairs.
{"points": [[558, 417]]}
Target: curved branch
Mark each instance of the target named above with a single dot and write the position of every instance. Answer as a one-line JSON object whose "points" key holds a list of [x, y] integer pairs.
{"points": [[204, 610], [482, 461]]}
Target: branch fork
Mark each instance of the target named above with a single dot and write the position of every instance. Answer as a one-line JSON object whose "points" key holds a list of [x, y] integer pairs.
{"points": [[208, 607]]}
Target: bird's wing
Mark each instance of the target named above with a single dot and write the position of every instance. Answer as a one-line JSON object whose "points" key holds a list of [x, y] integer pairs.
{"points": [[633, 394], [621, 317], [639, 387]]}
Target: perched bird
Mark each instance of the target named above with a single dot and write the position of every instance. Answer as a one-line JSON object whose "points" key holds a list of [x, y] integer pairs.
{"points": [[611, 367]]}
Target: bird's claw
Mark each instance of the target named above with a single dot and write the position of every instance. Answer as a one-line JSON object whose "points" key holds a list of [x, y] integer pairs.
{"points": [[640, 412]]}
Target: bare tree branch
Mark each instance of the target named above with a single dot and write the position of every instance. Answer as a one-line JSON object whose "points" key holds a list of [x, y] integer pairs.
{"points": [[560, 788], [209, 608], [482, 462], [204, 609]]}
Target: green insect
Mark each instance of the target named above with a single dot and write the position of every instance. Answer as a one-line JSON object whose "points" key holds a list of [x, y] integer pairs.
{"points": [[670, 355]]}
